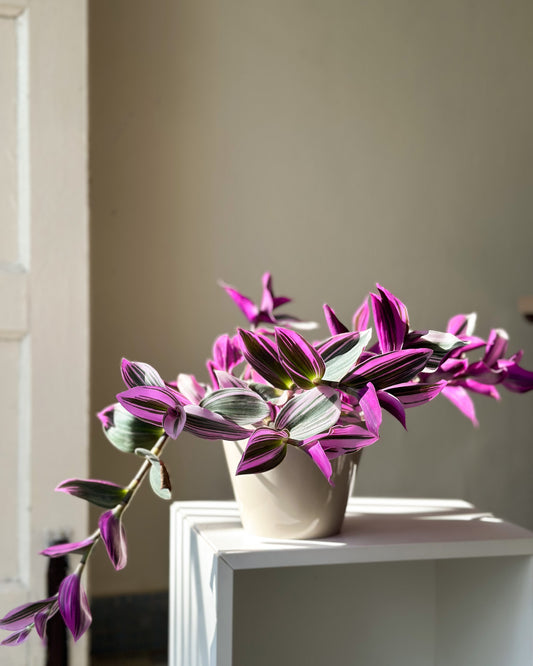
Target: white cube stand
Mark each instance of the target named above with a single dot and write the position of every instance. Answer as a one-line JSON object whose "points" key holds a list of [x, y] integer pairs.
{"points": [[406, 583]]}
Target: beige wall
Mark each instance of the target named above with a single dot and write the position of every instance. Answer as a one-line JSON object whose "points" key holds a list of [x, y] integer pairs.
{"points": [[336, 144]]}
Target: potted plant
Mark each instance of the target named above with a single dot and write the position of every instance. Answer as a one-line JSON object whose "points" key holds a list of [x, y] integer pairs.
{"points": [[277, 399]]}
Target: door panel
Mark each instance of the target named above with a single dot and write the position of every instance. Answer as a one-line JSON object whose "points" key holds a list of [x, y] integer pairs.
{"points": [[43, 294]]}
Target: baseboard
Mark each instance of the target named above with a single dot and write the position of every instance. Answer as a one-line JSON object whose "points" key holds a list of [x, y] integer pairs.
{"points": [[129, 623]]}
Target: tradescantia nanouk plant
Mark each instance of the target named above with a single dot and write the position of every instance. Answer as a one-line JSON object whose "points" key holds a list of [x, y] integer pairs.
{"points": [[273, 388]]}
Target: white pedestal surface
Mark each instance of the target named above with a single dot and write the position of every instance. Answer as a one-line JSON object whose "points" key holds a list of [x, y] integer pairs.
{"points": [[406, 583]]}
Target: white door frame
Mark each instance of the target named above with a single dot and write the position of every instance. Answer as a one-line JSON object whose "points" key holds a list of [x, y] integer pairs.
{"points": [[44, 292]]}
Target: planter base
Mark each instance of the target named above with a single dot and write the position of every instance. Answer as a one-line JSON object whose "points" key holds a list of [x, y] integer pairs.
{"points": [[294, 500]]}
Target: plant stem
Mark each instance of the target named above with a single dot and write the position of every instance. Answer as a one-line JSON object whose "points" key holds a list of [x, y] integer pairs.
{"points": [[135, 483], [132, 488]]}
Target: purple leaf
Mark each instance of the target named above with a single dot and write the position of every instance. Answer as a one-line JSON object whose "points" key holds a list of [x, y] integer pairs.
{"points": [[151, 404], [265, 449], [320, 459], [262, 354], [344, 439], [458, 396], [391, 320], [60, 549], [391, 404], [73, 606], [226, 353], [17, 638], [139, 374], [245, 305], [518, 379], [335, 326], [462, 324], [269, 302], [310, 413], [189, 387], [100, 493], [496, 347], [441, 344], [174, 421], [413, 394], [487, 375], [208, 425], [114, 537], [477, 387], [299, 358], [453, 367], [361, 316], [368, 400], [41, 619], [225, 380], [22, 616], [388, 369]]}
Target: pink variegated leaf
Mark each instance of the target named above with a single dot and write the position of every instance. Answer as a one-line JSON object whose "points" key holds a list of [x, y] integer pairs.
{"points": [[61, 549], [458, 396], [135, 373], [265, 450], [518, 379], [226, 353], [17, 638], [391, 404], [413, 394], [100, 493], [73, 606], [369, 403], [22, 616], [345, 439], [496, 347], [41, 619], [319, 457], [245, 305], [361, 316], [462, 324], [262, 354], [477, 387], [388, 369], [336, 327], [160, 406], [226, 380], [441, 344], [390, 318], [190, 388], [114, 538], [300, 360]]}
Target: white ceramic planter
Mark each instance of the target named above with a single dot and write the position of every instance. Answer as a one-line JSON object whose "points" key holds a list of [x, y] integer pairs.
{"points": [[293, 500]]}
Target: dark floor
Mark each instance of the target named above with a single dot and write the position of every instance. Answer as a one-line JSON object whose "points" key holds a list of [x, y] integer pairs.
{"points": [[129, 660]]}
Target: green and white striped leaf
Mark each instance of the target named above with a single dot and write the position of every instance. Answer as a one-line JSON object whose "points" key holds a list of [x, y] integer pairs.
{"points": [[100, 493], [128, 433], [342, 352], [238, 404], [159, 478], [439, 342], [310, 413]]}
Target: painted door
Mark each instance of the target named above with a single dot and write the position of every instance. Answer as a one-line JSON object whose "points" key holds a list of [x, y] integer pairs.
{"points": [[43, 293]]}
